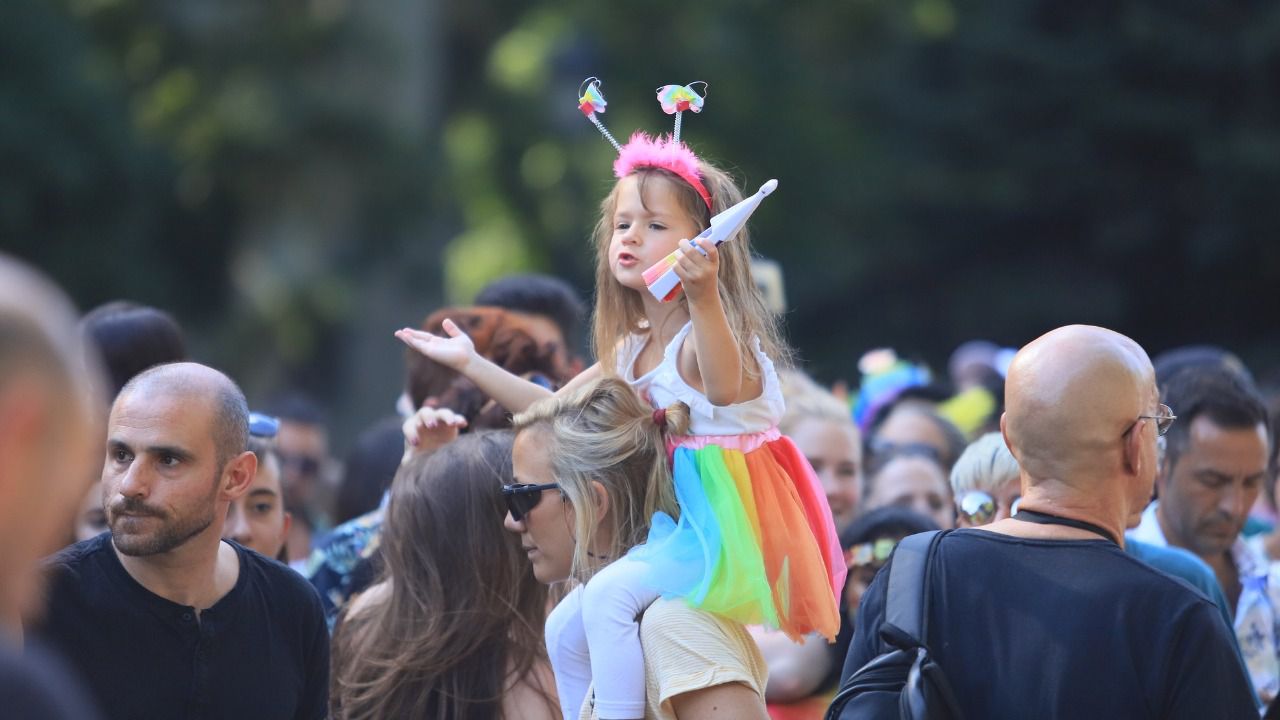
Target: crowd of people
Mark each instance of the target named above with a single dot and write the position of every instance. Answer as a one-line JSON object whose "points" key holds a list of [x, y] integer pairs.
{"points": [[687, 527]]}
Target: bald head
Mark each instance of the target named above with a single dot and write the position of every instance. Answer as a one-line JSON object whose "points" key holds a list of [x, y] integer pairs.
{"points": [[202, 384], [1069, 398]]}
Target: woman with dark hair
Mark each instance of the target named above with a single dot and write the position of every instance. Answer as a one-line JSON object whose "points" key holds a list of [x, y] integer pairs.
{"points": [[454, 629]]}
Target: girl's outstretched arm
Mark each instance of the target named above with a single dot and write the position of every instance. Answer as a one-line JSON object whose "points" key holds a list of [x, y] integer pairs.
{"points": [[718, 363], [457, 352]]}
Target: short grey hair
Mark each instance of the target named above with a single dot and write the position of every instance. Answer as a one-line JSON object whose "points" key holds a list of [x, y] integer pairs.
{"points": [[985, 465]]}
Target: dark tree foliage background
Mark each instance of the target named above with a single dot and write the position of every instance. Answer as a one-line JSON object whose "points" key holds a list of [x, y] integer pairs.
{"points": [[297, 179]]}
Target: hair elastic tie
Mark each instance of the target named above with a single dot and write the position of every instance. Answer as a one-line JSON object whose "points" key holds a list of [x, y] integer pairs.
{"points": [[660, 418]]}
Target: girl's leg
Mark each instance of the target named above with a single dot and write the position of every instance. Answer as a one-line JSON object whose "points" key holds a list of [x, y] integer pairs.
{"points": [[612, 602], [567, 650]]}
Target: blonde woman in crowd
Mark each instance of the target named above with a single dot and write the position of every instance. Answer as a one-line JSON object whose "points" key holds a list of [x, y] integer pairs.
{"points": [[986, 482], [591, 471]]}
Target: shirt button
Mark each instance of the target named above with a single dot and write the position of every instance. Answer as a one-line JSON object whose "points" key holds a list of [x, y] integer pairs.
{"points": [[186, 616]]}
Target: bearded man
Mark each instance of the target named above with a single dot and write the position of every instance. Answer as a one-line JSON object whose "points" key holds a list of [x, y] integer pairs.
{"points": [[161, 616]]}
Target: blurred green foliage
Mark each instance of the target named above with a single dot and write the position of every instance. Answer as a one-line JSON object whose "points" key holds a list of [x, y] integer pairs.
{"points": [[297, 178]]}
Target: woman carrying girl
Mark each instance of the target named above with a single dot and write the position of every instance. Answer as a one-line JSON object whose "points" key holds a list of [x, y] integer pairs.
{"points": [[590, 471], [752, 538]]}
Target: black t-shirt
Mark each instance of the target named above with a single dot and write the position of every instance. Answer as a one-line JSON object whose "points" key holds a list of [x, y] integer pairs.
{"points": [[35, 686], [262, 651], [1067, 629]]}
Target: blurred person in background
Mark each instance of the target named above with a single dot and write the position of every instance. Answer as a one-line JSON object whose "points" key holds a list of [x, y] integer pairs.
{"points": [[1215, 464], [257, 519], [129, 338], [368, 468], [306, 469], [913, 477], [553, 309], [868, 542], [986, 482], [514, 341], [910, 424], [160, 615], [51, 408], [347, 560], [91, 520], [822, 428], [977, 369], [1262, 516], [1268, 544], [453, 628]]}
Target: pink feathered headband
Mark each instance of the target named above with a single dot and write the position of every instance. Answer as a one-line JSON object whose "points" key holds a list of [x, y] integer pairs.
{"points": [[667, 153], [661, 152]]}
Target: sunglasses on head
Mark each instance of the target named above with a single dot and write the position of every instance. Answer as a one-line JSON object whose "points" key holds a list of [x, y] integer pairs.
{"points": [[263, 426], [521, 498]]}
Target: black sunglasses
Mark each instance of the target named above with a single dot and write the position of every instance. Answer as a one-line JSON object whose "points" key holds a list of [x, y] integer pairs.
{"points": [[522, 498]]}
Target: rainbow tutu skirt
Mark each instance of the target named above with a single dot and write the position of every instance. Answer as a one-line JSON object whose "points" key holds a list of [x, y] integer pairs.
{"points": [[755, 541]]}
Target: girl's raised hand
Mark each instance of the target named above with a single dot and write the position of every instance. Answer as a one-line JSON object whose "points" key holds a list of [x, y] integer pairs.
{"points": [[428, 429], [453, 352], [698, 272]]}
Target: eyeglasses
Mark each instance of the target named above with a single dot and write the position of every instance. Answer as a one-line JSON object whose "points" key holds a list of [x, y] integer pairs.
{"points": [[1164, 420], [521, 498], [979, 508]]}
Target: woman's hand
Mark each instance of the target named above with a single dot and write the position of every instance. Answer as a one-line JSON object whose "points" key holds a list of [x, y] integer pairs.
{"points": [[428, 429], [697, 272], [454, 352]]}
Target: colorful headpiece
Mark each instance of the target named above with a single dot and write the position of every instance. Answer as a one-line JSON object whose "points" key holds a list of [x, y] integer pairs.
{"points": [[641, 151]]}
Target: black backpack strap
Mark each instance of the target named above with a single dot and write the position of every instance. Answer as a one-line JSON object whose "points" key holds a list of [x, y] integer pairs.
{"points": [[906, 598]]}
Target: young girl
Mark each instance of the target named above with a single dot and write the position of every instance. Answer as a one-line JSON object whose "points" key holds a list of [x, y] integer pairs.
{"points": [[754, 540]]}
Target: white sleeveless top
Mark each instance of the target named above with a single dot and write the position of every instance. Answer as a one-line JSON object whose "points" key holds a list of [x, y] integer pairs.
{"points": [[664, 386]]}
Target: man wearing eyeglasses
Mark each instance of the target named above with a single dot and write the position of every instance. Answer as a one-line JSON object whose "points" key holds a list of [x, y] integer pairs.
{"points": [[1042, 614], [1214, 466]]}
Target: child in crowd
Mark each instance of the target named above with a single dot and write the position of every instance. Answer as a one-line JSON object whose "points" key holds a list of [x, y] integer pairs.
{"points": [[754, 540]]}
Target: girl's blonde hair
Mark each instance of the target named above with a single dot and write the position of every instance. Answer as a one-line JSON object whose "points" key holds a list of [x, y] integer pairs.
{"points": [[605, 433], [619, 311]]}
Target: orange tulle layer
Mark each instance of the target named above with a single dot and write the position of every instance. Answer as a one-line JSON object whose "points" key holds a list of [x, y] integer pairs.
{"points": [[755, 540]]}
